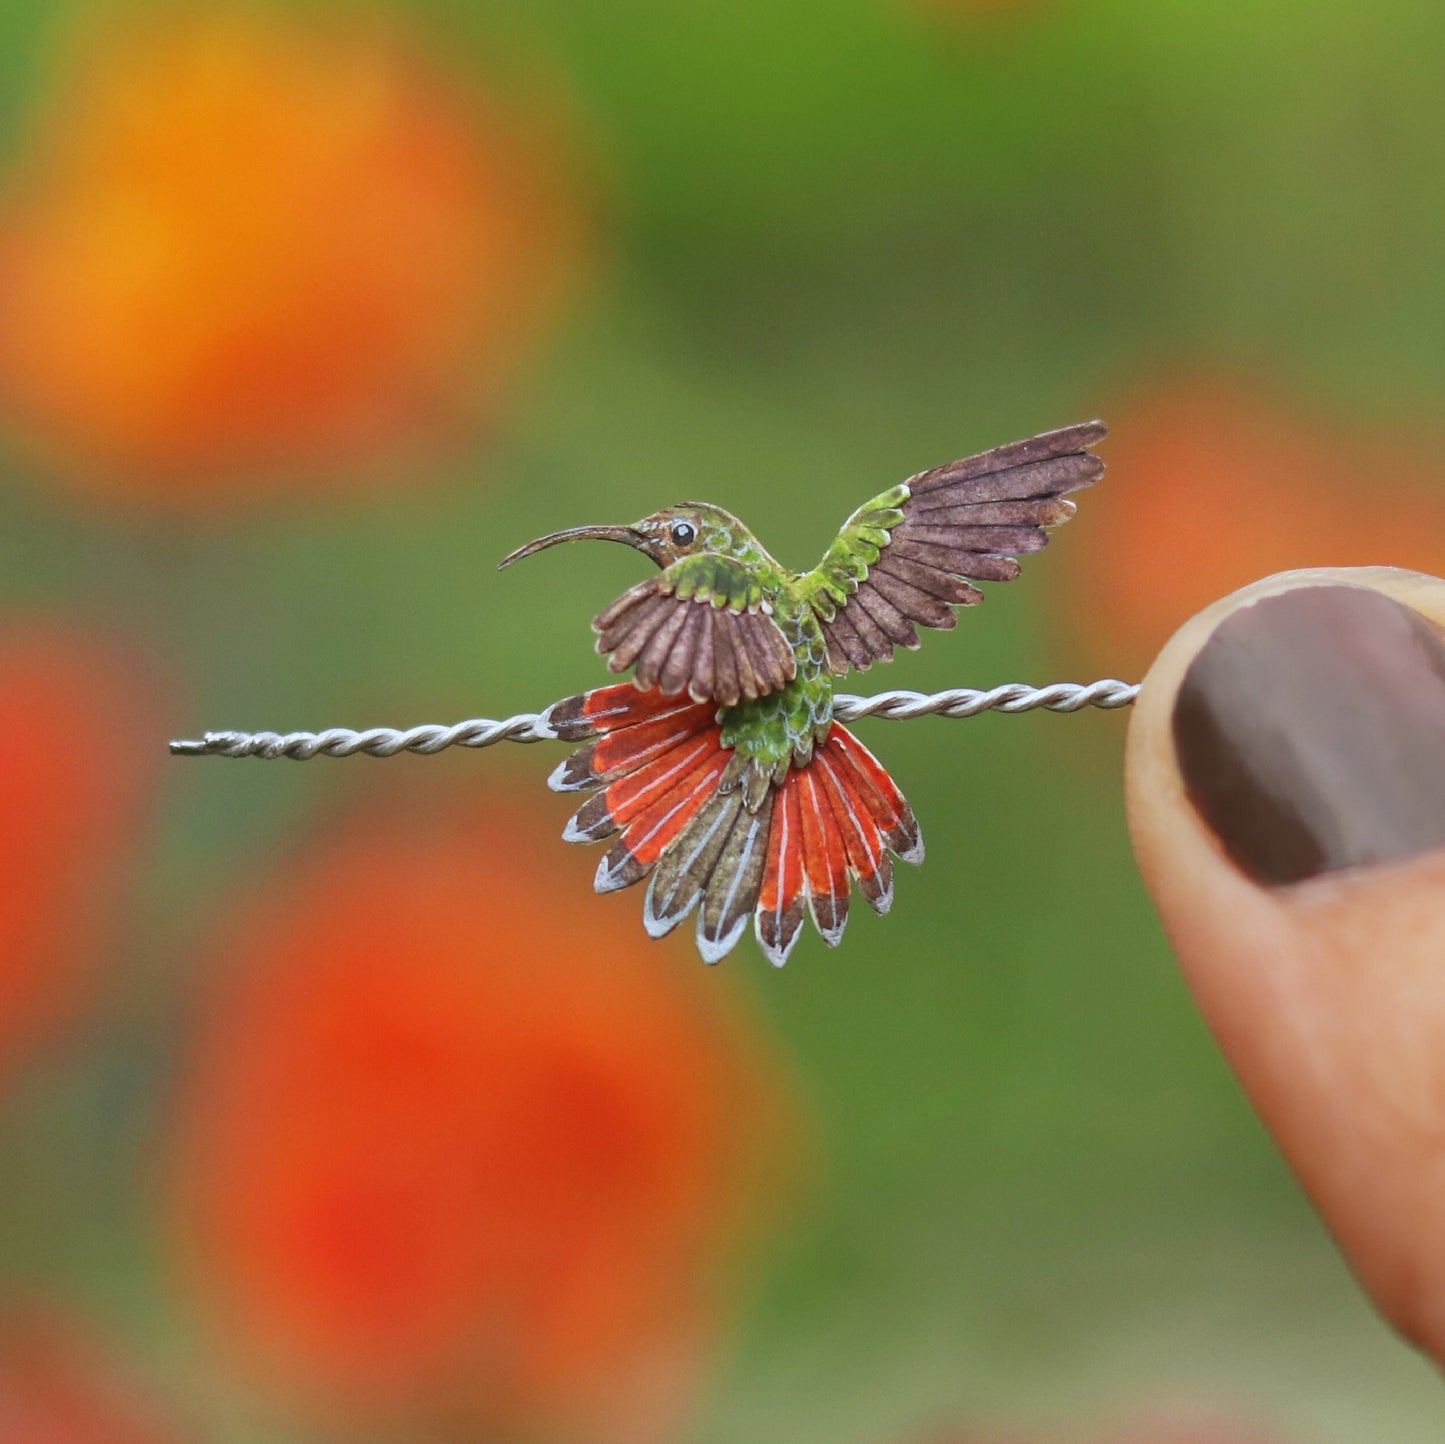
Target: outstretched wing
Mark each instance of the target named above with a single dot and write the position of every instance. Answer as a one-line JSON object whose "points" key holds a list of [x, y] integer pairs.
{"points": [[912, 554], [702, 626]]}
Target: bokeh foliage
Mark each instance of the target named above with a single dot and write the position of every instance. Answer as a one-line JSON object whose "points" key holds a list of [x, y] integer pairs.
{"points": [[840, 240]]}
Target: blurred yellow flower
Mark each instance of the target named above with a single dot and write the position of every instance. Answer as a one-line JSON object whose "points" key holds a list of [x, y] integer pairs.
{"points": [[249, 255]]}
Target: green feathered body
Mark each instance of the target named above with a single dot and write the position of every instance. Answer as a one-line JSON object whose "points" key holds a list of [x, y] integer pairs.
{"points": [[782, 728]]}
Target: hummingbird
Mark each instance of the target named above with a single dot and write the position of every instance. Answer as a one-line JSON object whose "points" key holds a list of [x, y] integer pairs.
{"points": [[718, 770]]}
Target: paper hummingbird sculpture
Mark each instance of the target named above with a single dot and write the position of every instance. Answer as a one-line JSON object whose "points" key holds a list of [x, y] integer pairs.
{"points": [[719, 770]]}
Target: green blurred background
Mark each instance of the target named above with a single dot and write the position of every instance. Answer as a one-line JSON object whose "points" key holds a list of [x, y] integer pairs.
{"points": [[814, 247]]}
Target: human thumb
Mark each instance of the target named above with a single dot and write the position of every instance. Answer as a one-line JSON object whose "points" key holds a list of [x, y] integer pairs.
{"points": [[1285, 777]]}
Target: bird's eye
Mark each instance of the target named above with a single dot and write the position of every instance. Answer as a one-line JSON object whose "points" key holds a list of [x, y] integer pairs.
{"points": [[684, 533]]}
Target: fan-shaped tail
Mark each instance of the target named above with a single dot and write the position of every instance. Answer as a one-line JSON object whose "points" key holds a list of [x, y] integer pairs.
{"points": [[835, 821], [657, 764]]}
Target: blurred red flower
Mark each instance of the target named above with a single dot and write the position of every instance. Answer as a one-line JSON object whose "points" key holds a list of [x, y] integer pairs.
{"points": [[71, 814], [246, 247], [58, 1386], [1212, 484], [456, 1145]]}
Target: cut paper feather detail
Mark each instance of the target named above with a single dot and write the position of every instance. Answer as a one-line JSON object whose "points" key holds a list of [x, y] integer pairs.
{"points": [[719, 773]]}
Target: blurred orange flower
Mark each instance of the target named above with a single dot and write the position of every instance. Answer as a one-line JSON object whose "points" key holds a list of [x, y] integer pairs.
{"points": [[457, 1150], [58, 1386], [70, 811], [250, 249], [1212, 484]]}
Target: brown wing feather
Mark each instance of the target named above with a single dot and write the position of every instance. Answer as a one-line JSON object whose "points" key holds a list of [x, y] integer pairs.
{"points": [[682, 656], [961, 523], [678, 644], [659, 645], [725, 667], [845, 647], [912, 601]]}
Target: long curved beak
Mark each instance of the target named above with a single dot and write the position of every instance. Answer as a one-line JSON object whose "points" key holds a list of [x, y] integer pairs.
{"points": [[623, 534]]}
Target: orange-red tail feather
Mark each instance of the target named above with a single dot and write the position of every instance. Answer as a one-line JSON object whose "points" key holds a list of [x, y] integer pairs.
{"points": [[657, 764]]}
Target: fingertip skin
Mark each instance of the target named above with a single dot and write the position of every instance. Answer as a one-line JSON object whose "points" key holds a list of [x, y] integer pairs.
{"points": [[1326, 993], [1309, 731], [1155, 790]]}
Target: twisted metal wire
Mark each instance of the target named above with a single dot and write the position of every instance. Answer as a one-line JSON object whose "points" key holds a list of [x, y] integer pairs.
{"points": [[896, 706], [427, 738], [900, 706]]}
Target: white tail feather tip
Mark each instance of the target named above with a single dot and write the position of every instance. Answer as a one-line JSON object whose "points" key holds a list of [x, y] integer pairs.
{"points": [[714, 950], [557, 781], [659, 924], [605, 880]]}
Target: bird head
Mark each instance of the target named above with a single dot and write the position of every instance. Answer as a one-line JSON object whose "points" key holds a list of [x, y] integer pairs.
{"points": [[666, 536]]}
